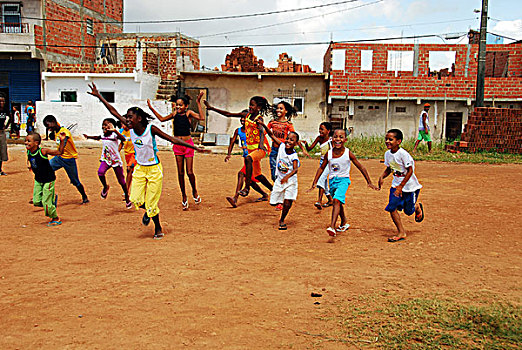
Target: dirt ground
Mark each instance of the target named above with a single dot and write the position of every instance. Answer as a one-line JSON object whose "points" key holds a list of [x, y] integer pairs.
{"points": [[227, 278]]}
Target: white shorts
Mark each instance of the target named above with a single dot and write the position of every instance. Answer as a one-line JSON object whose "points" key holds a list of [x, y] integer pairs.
{"points": [[280, 192]]}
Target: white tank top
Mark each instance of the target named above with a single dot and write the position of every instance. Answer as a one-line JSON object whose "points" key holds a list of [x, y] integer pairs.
{"points": [[421, 126], [339, 167], [145, 147]]}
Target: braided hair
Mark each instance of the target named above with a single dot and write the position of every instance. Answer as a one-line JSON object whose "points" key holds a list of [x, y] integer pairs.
{"points": [[262, 103], [145, 117]]}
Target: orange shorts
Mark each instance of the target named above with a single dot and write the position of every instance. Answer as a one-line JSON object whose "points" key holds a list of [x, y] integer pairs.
{"points": [[257, 155], [256, 170], [130, 160]]}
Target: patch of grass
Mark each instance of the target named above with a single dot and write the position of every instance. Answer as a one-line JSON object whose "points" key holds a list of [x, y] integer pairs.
{"points": [[390, 321], [374, 148]]}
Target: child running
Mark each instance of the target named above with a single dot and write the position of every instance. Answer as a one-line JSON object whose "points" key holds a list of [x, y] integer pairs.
{"points": [[257, 145], [182, 125], [287, 164], [240, 132], [44, 176], [148, 174], [405, 187], [324, 140], [110, 158], [128, 151], [68, 158], [339, 160]]}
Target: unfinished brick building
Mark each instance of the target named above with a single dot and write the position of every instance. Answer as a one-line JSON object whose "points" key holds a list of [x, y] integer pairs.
{"points": [[285, 63], [374, 87], [242, 59]]}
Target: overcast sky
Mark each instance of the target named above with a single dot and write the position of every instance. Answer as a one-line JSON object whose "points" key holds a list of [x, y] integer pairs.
{"points": [[373, 19]]}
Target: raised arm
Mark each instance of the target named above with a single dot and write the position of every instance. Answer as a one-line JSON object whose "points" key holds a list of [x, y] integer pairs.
{"points": [[363, 171], [200, 115], [157, 132], [94, 92], [222, 112], [159, 116]]}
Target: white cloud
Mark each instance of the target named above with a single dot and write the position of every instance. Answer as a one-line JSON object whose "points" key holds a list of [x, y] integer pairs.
{"points": [[512, 29]]}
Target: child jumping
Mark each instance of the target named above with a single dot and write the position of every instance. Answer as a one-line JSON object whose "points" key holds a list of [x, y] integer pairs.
{"points": [[287, 164], [339, 160], [68, 158], [240, 133], [148, 174], [405, 187], [182, 118], [44, 176], [110, 158], [324, 140]]}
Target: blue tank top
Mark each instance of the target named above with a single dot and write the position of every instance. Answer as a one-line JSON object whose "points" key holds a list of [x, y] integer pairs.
{"points": [[242, 140]]}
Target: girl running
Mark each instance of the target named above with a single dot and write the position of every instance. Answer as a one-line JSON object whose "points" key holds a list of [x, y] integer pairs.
{"points": [[257, 144], [182, 125], [128, 150], [148, 174], [339, 159], [110, 158], [324, 140]]}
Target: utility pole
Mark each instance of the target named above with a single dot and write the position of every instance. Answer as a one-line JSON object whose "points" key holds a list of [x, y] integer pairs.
{"points": [[481, 69]]}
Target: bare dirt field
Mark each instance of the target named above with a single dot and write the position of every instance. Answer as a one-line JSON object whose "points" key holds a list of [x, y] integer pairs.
{"points": [[227, 278]]}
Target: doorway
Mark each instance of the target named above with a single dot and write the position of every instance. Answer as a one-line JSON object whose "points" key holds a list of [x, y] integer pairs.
{"points": [[453, 125]]}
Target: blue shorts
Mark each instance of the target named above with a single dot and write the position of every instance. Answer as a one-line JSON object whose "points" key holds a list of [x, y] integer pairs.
{"points": [[70, 168], [405, 202], [339, 187], [273, 162]]}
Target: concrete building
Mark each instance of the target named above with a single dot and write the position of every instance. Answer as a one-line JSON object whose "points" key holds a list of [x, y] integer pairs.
{"points": [[232, 91], [375, 87]]}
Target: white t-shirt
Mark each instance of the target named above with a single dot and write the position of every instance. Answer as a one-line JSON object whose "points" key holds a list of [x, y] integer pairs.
{"points": [[110, 153], [285, 164], [398, 162], [339, 167], [421, 125]]}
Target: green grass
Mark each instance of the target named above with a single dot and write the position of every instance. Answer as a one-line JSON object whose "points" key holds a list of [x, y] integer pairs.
{"points": [[432, 322], [374, 148]]}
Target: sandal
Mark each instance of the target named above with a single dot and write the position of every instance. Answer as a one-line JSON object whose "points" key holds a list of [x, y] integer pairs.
{"points": [[396, 239], [185, 205], [331, 231], [54, 223], [279, 207], [158, 235], [104, 194], [343, 228], [232, 202], [282, 227], [128, 205], [197, 199], [419, 218], [145, 220], [244, 192], [262, 199], [318, 205], [327, 204]]}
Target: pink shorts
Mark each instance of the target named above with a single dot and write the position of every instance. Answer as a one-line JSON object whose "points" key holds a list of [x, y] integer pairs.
{"points": [[180, 150]]}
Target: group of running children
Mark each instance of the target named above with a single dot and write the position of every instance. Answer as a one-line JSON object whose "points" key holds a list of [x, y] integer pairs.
{"points": [[142, 185]]}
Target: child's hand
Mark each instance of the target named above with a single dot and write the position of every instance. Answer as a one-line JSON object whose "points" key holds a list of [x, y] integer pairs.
{"points": [[94, 90], [62, 136], [84, 135], [284, 179], [227, 158], [200, 96], [207, 105], [373, 187], [148, 103], [380, 182], [311, 188], [398, 191], [203, 150]]}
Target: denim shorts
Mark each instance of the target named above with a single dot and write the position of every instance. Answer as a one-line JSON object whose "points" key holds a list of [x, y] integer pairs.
{"points": [[70, 168], [405, 202]]}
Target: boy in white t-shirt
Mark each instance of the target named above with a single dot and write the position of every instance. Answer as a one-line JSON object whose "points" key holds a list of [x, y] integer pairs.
{"points": [[405, 186], [287, 163]]}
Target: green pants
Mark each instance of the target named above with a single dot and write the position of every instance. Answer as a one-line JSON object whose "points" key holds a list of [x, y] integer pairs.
{"points": [[43, 196]]}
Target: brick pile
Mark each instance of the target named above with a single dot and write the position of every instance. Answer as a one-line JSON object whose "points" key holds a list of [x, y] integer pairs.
{"points": [[242, 59], [491, 129], [285, 63]]}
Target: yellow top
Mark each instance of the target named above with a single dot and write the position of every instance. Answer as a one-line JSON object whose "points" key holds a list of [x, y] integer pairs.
{"points": [[128, 147], [70, 149]]}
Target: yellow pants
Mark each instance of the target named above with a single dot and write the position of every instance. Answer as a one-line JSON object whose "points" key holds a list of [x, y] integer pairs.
{"points": [[147, 182]]}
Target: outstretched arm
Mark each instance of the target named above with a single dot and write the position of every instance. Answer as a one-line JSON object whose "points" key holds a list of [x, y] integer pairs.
{"points": [[311, 147], [222, 112], [159, 116], [363, 171], [97, 138], [94, 92], [157, 132]]}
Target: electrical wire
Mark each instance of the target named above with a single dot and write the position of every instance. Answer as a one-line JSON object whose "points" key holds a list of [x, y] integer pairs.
{"points": [[200, 19]]}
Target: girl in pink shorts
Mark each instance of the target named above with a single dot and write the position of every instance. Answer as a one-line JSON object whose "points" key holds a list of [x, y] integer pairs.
{"points": [[182, 117]]}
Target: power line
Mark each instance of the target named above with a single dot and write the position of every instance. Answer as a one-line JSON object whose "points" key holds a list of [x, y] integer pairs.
{"points": [[288, 22], [199, 19]]}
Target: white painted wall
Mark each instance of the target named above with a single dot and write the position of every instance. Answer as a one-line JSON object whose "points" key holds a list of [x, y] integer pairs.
{"points": [[86, 115]]}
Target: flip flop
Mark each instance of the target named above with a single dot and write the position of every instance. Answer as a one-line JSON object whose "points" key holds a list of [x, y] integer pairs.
{"points": [[318, 205], [243, 193], [327, 204], [232, 202], [159, 235], [104, 194], [396, 239], [417, 218], [343, 228], [262, 199], [282, 227], [197, 199], [54, 223], [331, 231], [185, 205]]}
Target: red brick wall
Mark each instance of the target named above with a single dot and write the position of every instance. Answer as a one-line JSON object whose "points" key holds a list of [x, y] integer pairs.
{"points": [[375, 83]]}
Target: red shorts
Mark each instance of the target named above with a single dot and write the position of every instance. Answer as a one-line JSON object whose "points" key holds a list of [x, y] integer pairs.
{"points": [[130, 160], [256, 170], [180, 150]]}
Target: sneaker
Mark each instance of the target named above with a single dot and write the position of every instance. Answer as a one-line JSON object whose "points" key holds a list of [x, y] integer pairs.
{"points": [[145, 220], [158, 235], [128, 205]]}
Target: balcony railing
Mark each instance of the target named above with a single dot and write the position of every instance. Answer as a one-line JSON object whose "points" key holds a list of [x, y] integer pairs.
{"points": [[14, 28]]}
